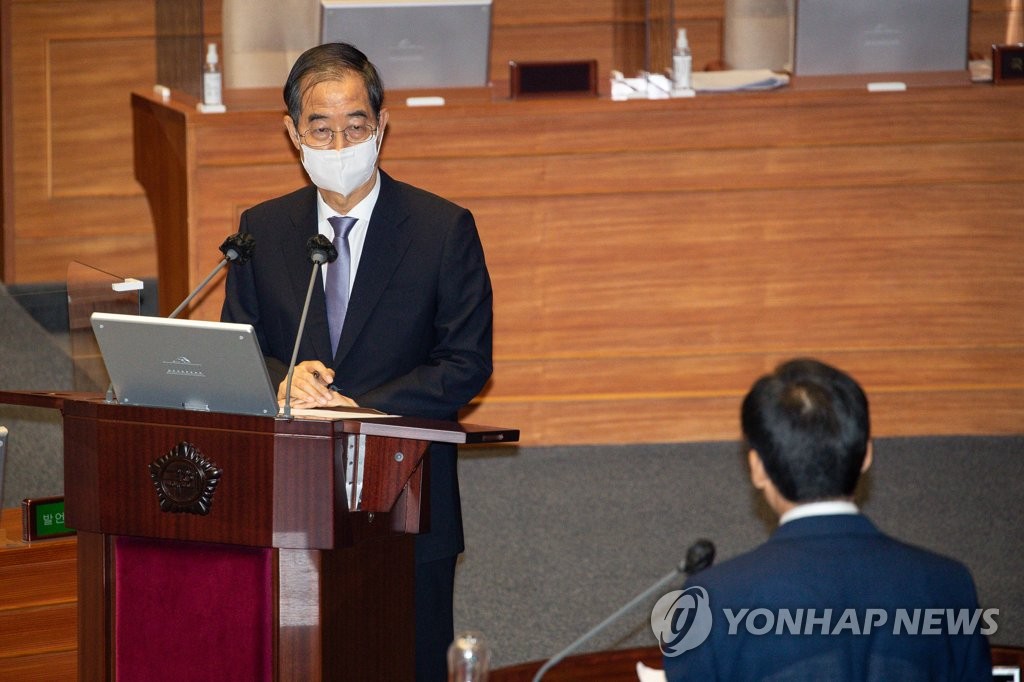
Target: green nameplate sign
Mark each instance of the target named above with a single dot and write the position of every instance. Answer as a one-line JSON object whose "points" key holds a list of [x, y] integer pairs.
{"points": [[43, 518]]}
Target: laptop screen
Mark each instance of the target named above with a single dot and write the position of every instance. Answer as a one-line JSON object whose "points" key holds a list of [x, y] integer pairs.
{"points": [[416, 44], [880, 36], [185, 364]]}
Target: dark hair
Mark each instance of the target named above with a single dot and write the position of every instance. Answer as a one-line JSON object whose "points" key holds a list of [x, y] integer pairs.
{"points": [[809, 424], [327, 62]]}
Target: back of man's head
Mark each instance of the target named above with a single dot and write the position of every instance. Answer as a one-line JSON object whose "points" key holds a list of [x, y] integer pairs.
{"points": [[809, 424]]}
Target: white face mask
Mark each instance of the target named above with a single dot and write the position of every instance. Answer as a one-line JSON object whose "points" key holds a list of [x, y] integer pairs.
{"points": [[345, 170]]}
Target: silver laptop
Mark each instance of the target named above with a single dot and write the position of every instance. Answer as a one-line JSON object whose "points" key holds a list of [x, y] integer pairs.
{"points": [[185, 364], [880, 36], [415, 44]]}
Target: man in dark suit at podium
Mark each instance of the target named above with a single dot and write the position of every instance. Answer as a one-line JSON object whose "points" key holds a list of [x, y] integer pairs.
{"points": [[825, 595], [403, 323]]}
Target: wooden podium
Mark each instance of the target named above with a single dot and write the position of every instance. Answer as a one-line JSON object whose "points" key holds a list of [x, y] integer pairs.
{"points": [[216, 546]]}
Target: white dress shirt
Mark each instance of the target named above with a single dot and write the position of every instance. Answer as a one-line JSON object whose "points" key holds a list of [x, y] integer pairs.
{"points": [[357, 235], [824, 508]]}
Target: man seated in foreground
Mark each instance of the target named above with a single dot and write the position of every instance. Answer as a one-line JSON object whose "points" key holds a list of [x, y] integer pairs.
{"points": [[828, 596]]}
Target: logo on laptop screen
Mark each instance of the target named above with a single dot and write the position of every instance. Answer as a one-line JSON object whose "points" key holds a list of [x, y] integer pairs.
{"points": [[182, 366]]}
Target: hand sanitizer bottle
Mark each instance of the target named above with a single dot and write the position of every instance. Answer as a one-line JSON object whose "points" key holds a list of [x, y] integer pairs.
{"points": [[212, 78], [469, 658], [682, 63]]}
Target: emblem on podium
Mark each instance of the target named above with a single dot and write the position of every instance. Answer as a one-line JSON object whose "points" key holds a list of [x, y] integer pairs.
{"points": [[185, 480]]}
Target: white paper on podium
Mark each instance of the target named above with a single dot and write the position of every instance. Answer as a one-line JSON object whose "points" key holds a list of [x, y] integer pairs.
{"points": [[335, 413], [646, 674]]}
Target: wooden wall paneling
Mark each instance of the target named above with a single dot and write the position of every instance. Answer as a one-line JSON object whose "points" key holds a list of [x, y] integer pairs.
{"points": [[35, 632], [242, 187], [183, 29], [658, 272], [533, 30], [749, 121], [212, 15], [6, 135], [708, 170], [180, 45], [245, 188], [788, 295], [713, 415], [73, 64], [113, 226], [208, 189], [756, 226], [39, 613], [682, 375], [610, 31], [913, 277], [552, 44], [568, 12], [988, 26], [164, 160], [59, 667]]}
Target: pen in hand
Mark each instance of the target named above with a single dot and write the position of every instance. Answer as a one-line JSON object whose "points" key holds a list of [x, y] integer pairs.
{"points": [[332, 387]]}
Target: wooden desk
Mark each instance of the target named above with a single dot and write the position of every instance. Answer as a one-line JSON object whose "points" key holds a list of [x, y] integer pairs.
{"points": [[38, 605], [651, 258], [619, 665]]}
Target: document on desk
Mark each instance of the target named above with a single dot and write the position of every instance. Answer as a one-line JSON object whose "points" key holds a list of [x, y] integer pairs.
{"points": [[647, 674], [738, 79], [335, 413]]}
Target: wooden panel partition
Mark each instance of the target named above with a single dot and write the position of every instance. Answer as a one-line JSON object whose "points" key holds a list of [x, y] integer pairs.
{"points": [[649, 257], [69, 65], [68, 188], [39, 610], [652, 257], [619, 665]]}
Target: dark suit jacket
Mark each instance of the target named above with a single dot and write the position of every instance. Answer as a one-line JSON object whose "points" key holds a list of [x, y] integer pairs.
{"points": [[417, 335], [839, 562]]}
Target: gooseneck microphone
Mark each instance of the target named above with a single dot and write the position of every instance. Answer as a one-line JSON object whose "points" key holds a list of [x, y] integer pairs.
{"points": [[321, 251], [236, 249], [699, 556]]}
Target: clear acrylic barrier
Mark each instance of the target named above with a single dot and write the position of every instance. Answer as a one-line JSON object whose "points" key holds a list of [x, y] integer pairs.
{"points": [[659, 35], [643, 48], [93, 290]]}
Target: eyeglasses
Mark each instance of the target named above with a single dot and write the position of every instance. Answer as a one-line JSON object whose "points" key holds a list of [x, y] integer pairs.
{"points": [[322, 136]]}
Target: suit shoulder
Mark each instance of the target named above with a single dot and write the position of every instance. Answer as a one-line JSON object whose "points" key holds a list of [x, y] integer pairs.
{"points": [[940, 564], [815, 566], [421, 199], [282, 204]]}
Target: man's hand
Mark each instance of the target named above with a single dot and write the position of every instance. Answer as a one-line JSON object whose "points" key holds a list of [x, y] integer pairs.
{"points": [[310, 383]]}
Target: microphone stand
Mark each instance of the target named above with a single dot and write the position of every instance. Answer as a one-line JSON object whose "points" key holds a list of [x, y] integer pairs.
{"points": [[236, 248], [698, 557], [321, 251]]}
